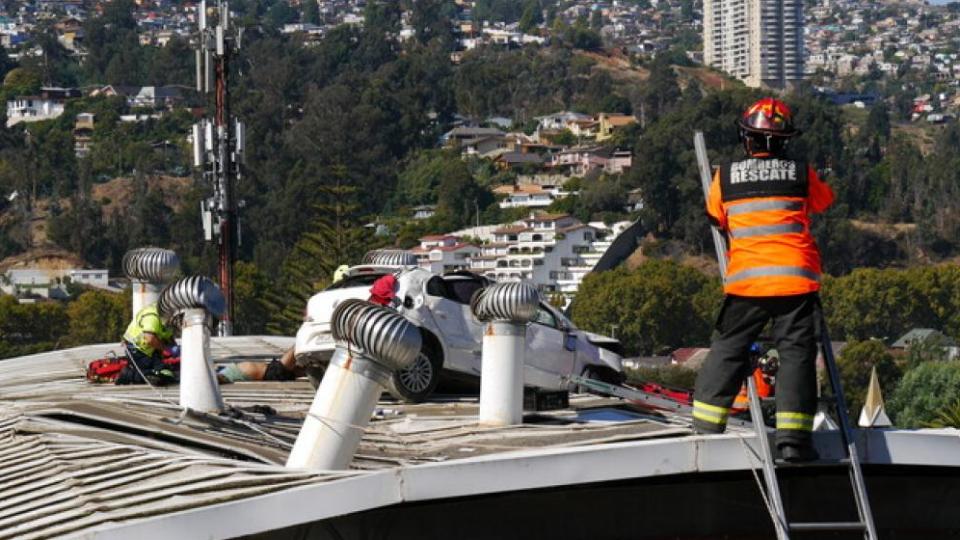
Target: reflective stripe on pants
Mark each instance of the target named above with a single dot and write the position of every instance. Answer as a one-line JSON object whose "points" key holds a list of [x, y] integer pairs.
{"points": [[710, 414], [795, 420]]}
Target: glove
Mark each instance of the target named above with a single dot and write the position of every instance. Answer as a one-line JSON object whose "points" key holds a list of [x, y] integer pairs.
{"points": [[174, 351]]}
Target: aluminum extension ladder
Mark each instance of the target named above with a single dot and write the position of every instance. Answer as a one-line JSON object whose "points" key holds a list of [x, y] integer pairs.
{"points": [[782, 525]]}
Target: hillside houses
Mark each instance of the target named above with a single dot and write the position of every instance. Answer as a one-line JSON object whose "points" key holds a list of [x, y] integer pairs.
{"points": [[152, 97], [552, 251], [541, 166], [867, 39], [528, 195], [47, 105]]}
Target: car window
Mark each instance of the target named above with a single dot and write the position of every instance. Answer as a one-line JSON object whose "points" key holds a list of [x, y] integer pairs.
{"points": [[545, 318], [359, 280], [462, 290], [437, 287]]}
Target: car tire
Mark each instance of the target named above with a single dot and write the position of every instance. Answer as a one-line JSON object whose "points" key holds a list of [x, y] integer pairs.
{"points": [[417, 382]]}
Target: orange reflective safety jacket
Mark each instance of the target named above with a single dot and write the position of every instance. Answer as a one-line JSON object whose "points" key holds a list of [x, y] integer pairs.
{"points": [[764, 205]]}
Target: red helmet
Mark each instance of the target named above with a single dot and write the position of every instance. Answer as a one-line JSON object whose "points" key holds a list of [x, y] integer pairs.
{"points": [[770, 117]]}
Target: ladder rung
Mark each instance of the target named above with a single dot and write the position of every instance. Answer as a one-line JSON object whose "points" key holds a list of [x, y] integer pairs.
{"points": [[829, 526], [781, 464]]}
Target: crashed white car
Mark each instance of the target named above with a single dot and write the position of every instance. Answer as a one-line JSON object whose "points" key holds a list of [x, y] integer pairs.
{"points": [[440, 306]]}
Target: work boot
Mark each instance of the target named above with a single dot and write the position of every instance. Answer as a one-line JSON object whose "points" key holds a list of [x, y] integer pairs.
{"points": [[798, 453]]}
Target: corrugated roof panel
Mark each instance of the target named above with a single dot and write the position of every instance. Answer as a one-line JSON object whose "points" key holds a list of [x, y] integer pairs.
{"points": [[55, 484]]}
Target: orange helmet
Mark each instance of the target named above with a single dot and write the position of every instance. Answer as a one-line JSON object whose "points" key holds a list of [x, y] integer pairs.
{"points": [[770, 117]]}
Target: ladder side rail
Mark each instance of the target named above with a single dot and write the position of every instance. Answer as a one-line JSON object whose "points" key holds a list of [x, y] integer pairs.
{"points": [[846, 433], [769, 471]]}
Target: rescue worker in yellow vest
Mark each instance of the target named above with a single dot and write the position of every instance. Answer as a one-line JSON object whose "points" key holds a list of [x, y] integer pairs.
{"points": [[145, 340], [763, 203]]}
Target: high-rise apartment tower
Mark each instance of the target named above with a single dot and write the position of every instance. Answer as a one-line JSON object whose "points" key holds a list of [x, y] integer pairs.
{"points": [[757, 41]]}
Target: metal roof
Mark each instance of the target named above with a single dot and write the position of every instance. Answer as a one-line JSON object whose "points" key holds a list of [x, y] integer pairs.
{"points": [[54, 484], [104, 461]]}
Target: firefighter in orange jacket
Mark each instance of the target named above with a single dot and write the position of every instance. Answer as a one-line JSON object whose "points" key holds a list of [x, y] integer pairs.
{"points": [[763, 203]]}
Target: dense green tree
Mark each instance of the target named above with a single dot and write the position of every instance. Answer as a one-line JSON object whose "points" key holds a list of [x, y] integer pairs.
{"points": [[6, 63], [532, 16], [54, 64], [507, 11], [885, 304], [22, 81], [418, 182], [172, 64], [855, 363], [431, 20], [113, 46], [251, 286], [80, 229], [30, 328], [281, 13], [659, 305], [334, 238], [311, 13], [947, 417], [924, 392], [661, 91], [97, 317], [605, 194]]}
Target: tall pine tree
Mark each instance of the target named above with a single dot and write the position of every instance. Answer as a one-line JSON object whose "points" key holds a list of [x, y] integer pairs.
{"points": [[336, 236]]}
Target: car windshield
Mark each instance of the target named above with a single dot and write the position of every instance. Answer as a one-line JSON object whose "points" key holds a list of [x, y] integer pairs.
{"points": [[359, 280]]}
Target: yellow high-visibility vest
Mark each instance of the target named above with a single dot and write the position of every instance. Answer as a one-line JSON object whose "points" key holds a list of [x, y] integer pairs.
{"points": [[147, 320]]}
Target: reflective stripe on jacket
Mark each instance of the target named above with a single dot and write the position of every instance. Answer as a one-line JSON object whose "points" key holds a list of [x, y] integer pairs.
{"points": [[146, 321], [764, 204]]}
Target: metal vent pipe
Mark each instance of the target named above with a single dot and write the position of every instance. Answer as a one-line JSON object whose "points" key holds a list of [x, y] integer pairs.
{"points": [[390, 257], [194, 302], [507, 308], [148, 269], [372, 343]]}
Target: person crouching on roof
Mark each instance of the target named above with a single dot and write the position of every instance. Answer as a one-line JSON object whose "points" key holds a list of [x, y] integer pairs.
{"points": [[145, 340]]}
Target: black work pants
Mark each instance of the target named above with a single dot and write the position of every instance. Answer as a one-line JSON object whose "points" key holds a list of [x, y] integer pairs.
{"points": [[795, 324]]}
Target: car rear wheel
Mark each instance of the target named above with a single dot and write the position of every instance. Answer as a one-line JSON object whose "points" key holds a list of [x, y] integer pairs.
{"points": [[415, 383]]}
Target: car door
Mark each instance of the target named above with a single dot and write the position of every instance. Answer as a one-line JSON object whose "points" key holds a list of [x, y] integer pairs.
{"points": [[448, 315], [551, 352]]}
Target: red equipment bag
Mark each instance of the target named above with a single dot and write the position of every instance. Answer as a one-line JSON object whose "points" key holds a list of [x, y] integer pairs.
{"points": [[107, 369]]}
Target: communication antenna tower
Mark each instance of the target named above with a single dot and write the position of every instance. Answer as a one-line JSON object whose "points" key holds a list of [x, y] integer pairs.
{"points": [[218, 144]]}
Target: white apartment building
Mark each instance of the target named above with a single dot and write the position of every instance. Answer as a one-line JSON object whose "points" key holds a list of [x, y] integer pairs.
{"points": [[444, 253], [46, 106], [757, 41], [551, 251], [32, 109], [530, 196], [51, 283]]}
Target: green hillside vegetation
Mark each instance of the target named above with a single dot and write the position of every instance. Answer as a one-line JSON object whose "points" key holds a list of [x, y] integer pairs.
{"points": [[344, 133]]}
